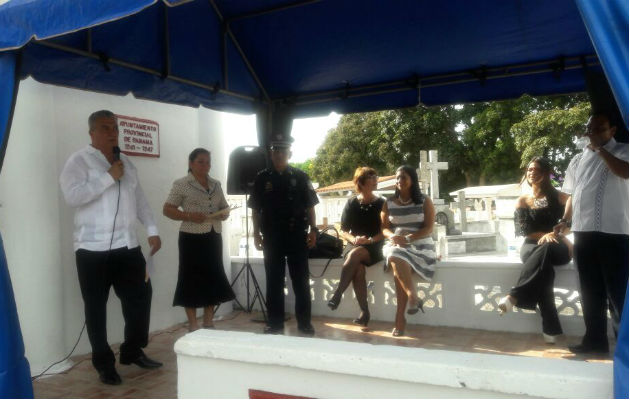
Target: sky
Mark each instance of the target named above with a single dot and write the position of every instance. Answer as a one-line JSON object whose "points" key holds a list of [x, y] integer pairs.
{"points": [[309, 133]]}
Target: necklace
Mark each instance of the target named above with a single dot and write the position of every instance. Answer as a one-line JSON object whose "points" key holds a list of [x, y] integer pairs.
{"points": [[404, 203], [541, 202]]}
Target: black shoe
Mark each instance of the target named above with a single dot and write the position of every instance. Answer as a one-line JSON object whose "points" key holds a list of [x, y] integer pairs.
{"points": [[418, 306], [306, 329], [110, 377], [588, 348], [333, 303], [143, 362], [363, 319], [273, 330]]}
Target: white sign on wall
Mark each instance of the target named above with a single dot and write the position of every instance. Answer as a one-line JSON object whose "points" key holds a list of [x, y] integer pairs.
{"points": [[138, 137]]}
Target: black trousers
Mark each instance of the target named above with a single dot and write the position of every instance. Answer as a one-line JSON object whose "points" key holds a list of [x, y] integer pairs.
{"points": [[602, 263], [292, 248], [124, 269], [535, 284]]}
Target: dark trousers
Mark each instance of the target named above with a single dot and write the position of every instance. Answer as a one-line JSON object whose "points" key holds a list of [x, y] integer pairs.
{"points": [[602, 263], [279, 247], [125, 270], [535, 284]]}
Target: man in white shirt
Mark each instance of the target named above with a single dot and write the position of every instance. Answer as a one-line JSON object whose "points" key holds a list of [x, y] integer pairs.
{"points": [[597, 213], [103, 186]]}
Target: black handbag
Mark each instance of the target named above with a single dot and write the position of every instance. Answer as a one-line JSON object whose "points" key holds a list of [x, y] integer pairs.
{"points": [[327, 245]]}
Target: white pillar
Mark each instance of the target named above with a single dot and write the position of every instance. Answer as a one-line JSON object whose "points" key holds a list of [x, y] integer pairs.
{"points": [[461, 198]]}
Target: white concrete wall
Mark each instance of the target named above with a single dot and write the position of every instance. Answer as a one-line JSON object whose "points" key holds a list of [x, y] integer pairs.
{"points": [[465, 292], [222, 364], [49, 124]]}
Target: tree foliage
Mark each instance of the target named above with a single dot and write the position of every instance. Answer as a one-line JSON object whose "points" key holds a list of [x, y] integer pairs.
{"points": [[484, 143], [550, 133], [306, 166]]}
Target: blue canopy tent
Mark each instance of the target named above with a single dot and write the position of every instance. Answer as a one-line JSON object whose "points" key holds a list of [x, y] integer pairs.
{"points": [[283, 59]]}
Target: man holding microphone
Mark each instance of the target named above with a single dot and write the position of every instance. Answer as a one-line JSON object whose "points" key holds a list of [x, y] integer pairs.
{"points": [[597, 213], [102, 185]]}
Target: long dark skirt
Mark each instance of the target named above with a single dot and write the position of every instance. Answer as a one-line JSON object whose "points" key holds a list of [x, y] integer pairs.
{"points": [[201, 281], [535, 285]]}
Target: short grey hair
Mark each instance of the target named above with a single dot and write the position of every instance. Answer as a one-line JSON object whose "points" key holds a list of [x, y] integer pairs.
{"points": [[99, 114]]}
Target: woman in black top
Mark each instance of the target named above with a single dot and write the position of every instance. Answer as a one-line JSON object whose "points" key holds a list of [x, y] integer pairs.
{"points": [[361, 227], [534, 218]]}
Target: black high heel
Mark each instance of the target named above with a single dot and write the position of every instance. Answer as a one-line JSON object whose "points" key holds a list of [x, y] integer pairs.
{"points": [[363, 320], [419, 306], [333, 303]]}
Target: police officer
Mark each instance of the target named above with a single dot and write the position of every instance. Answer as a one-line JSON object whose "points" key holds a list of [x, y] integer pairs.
{"points": [[283, 214]]}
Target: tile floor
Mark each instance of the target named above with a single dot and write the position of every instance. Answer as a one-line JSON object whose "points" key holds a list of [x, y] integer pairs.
{"points": [[81, 381]]}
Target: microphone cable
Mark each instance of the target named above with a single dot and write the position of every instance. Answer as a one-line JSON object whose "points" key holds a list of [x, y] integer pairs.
{"points": [[111, 241]]}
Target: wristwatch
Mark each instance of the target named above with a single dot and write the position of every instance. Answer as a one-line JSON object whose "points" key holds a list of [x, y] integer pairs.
{"points": [[567, 222]]}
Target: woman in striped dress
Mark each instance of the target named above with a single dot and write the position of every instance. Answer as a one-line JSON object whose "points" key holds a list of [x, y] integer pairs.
{"points": [[407, 221]]}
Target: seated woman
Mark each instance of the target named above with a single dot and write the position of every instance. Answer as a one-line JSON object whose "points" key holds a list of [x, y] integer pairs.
{"points": [[361, 227], [534, 218], [407, 219], [201, 281]]}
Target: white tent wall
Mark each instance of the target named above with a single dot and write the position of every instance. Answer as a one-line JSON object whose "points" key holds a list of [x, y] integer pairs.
{"points": [[49, 124]]}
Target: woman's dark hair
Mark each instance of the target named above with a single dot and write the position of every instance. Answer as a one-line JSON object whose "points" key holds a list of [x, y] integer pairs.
{"points": [[416, 194], [546, 169], [196, 153]]}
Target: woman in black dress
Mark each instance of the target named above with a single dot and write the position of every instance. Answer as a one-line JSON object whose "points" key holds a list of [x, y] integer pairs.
{"points": [[534, 218], [201, 281], [361, 227]]}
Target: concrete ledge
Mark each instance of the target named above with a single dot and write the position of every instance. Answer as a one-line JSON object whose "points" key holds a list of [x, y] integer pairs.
{"points": [[464, 292], [226, 364], [477, 261]]}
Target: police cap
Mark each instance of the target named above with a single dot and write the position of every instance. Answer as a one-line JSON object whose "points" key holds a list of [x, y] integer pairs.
{"points": [[279, 141]]}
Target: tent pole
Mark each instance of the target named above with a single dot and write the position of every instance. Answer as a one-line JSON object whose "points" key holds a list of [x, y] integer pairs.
{"points": [[271, 10], [224, 51], [249, 66], [147, 70], [89, 40], [167, 44], [403, 85]]}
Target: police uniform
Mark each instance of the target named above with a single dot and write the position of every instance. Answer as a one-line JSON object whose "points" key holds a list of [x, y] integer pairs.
{"points": [[282, 200]]}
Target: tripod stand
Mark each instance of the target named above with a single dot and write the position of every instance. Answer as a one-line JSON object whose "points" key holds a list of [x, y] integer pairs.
{"points": [[249, 274]]}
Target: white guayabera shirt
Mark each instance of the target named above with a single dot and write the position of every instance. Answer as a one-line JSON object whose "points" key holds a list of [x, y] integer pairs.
{"points": [[599, 197], [87, 186]]}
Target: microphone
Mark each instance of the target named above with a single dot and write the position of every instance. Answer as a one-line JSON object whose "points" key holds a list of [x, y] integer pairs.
{"points": [[116, 151]]}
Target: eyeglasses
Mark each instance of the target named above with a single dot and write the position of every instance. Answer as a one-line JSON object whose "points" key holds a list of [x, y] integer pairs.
{"points": [[371, 176]]}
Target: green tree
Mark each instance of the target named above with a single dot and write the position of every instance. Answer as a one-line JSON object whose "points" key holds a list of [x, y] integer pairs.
{"points": [[550, 133], [306, 166], [383, 140], [484, 143]]}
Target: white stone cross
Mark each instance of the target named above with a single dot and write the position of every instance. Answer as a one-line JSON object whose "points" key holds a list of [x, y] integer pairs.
{"points": [[430, 169], [424, 175]]}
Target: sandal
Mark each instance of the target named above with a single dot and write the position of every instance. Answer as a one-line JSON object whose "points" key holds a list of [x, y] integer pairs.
{"points": [[505, 305], [398, 332]]}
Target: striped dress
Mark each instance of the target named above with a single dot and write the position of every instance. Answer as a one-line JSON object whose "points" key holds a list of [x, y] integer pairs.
{"points": [[420, 254]]}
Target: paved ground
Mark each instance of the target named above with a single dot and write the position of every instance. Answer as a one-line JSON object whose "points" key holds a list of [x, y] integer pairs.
{"points": [[82, 381]]}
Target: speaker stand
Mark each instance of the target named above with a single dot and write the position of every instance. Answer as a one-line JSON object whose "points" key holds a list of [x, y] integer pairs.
{"points": [[246, 269]]}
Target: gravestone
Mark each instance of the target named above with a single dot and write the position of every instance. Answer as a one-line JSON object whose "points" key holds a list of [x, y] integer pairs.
{"points": [[428, 172]]}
